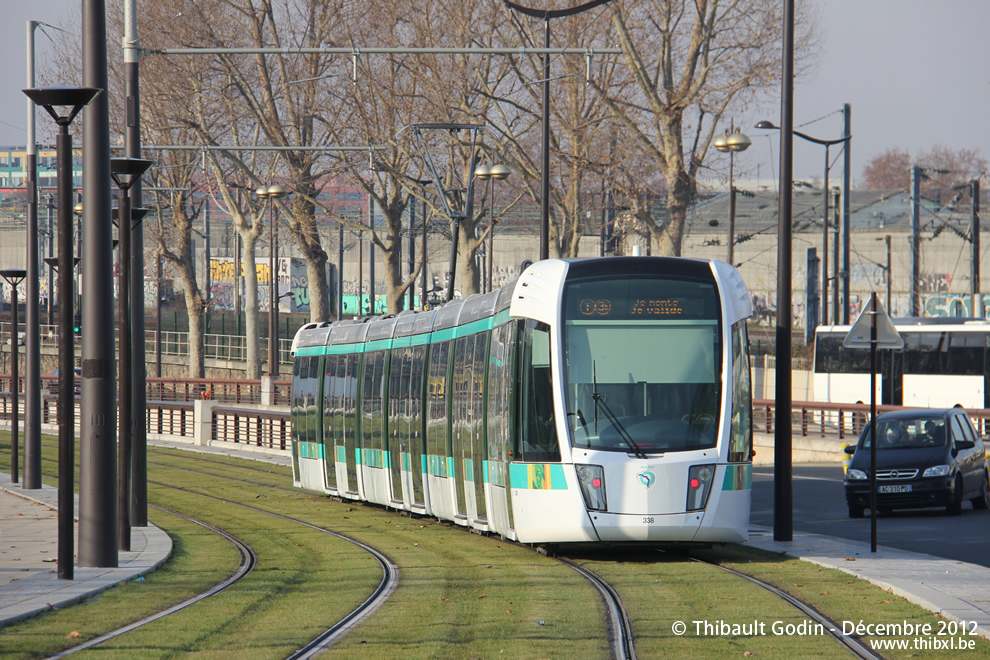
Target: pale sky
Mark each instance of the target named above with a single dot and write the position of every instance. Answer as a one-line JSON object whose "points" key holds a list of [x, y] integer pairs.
{"points": [[914, 71]]}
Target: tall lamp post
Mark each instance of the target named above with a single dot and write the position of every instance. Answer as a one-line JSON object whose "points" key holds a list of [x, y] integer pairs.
{"points": [[731, 143], [825, 193], [125, 172], [546, 15], [491, 174], [73, 99], [14, 277], [271, 193]]}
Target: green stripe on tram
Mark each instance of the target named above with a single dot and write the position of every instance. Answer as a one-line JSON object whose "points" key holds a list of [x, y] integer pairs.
{"points": [[537, 476], [310, 450], [738, 477]]}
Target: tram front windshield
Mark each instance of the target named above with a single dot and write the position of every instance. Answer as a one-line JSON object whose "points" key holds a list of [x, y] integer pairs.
{"points": [[642, 363]]}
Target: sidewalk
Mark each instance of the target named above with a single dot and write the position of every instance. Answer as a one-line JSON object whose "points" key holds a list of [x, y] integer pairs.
{"points": [[952, 588], [28, 581]]}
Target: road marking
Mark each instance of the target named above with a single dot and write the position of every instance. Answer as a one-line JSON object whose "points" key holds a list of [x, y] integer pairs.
{"points": [[796, 476]]}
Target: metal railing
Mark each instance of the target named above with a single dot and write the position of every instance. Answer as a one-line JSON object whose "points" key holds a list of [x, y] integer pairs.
{"points": [[836, 420], [218, 347], [245, 391], [259, 428]]}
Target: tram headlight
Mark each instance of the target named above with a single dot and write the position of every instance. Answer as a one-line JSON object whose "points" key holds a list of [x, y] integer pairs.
{"points": [[592, 480], [699, 485]]}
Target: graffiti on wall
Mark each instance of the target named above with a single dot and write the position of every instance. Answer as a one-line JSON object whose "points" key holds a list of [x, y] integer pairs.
{"points": [[291, 277]]}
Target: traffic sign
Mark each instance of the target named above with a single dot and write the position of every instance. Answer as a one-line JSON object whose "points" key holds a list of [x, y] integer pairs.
{"points": [[859, 334]]}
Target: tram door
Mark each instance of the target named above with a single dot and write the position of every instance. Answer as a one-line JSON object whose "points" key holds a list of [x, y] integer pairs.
{"points": [[469, 444], [416, 440], [500, 425], [479, 453], [350, 419], [398, 420], [330, 383], [460, 428]]}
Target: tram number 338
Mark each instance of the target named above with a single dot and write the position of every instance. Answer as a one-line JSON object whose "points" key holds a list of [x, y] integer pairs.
{"points": [[647, 520]]}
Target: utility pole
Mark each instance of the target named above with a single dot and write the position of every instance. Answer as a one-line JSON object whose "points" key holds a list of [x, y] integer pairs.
{"points": [[846, 195], [975, 235], [915, 240]]}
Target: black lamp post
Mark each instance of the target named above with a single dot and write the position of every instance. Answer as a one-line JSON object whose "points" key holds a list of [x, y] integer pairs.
{"points": [[825, 193], [546, 15], [732, 142], [14, 277], [271, 193], [125, 172], [73, 99]]}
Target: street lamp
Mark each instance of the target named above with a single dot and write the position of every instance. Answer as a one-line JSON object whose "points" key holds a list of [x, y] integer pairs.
{"points": [[491, 174], [732, 142], [74, 99], [825, 192], [14, 277], [271, 193], [125, 172]]}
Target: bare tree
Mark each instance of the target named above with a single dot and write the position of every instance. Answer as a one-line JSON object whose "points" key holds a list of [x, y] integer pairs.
{"points": [[691, 61], [943, 168]]}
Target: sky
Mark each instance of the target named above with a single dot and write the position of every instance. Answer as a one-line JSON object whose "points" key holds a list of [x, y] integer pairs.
{"points": [[914, 71]]}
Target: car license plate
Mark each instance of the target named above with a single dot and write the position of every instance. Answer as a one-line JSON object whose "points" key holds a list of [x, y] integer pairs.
{"points": [[894, 489]]}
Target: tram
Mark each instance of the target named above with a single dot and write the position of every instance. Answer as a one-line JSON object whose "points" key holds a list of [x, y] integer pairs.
{"points": [[589, 400]]}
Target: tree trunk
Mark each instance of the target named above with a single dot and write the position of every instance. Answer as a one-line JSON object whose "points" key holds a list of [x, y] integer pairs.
{"points": [[252, 332]]}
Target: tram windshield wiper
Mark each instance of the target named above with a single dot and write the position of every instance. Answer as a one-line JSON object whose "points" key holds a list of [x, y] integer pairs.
{"points": [[599, 399]]}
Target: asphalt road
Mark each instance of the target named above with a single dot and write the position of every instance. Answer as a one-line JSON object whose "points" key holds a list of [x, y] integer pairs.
{"points": [[820, 508]]}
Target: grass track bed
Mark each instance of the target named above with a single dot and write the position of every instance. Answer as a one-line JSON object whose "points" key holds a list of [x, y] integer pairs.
{"points": [[460, 595]]}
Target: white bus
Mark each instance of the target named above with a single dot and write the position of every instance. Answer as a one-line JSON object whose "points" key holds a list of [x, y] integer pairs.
{"points": [[944, 361]]}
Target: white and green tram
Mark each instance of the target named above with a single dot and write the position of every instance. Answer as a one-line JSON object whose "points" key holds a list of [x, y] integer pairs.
{"points": [[589, 400]]}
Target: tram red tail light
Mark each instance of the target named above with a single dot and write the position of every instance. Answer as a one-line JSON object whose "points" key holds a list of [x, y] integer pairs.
{"points": [[592, 480], [699, 485]]}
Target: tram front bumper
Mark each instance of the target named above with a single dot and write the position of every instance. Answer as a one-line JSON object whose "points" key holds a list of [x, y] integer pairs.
{"points": [[619, 527]]}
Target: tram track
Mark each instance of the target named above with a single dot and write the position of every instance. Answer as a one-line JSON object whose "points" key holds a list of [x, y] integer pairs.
{"points": [[619, 627], [853, 644], [617, 620], [247, 564], [385, 588], [621, 639]]}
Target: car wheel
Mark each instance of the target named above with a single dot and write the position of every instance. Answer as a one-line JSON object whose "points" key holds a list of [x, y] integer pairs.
{"points": [[855, 512], [955, 508], [982, 501]]}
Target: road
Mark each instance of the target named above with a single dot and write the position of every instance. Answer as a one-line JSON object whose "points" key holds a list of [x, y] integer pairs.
{"points": [[820, 508]]}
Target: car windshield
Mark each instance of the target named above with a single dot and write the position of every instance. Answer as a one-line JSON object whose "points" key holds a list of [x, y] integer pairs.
{"points": [[909, 433]]}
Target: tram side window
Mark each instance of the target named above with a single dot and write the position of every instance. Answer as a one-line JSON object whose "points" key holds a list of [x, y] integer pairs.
{"points": [[538, 434], [741, 429]]}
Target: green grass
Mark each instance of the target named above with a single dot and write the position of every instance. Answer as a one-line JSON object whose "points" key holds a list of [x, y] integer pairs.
{"points": [[460, 595]]}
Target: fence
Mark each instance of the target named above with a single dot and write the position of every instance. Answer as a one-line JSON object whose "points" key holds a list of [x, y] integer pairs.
{"points": [[230, 412]]}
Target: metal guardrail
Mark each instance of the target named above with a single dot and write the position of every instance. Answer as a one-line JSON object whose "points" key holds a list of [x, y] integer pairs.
{"points": [[836, 420], [170, 418], [244, 391], [259, 428]]}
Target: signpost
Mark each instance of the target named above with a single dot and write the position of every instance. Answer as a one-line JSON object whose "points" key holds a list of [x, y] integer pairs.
{"points": [[873, 329]]}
